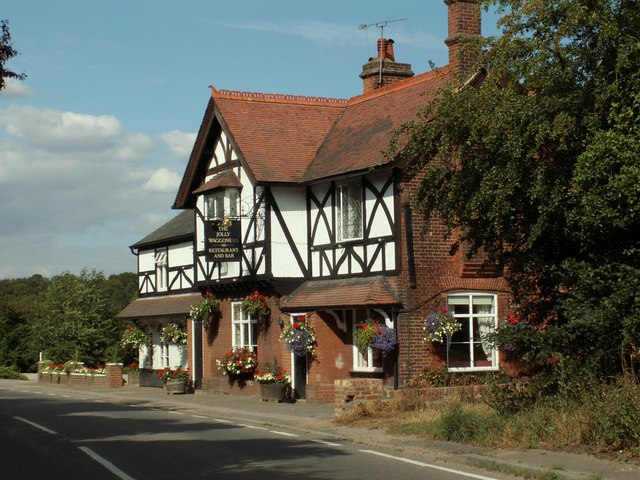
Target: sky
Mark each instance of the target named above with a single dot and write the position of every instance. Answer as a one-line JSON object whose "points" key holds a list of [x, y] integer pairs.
{"points": [[94, 142]]}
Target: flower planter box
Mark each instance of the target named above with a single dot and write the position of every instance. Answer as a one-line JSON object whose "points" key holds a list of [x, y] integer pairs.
{"points": [[176, 387], [273, 391]]}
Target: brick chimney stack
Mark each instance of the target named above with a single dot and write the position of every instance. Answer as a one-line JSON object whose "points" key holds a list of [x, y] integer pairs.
{"points": [[383, 70], [464, 22]]}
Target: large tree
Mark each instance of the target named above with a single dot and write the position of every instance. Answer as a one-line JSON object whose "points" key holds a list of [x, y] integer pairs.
{"points": [[539, 166], [75, 319], [7, 52]]}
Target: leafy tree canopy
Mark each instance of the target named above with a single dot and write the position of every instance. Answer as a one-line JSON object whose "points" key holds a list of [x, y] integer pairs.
{"points": [[7, 52], [539, 167]]}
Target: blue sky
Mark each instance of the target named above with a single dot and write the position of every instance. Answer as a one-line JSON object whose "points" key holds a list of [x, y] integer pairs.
{"points": [[94, 142]]}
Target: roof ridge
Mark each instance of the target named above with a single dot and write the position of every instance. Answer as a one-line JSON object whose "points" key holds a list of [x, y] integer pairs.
{"points": [[276, 97], [421, 77]]}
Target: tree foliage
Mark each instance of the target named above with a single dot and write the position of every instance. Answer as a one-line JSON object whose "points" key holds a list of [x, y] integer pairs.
{"points": [[539, 166], [7, 52], [66, 317]]}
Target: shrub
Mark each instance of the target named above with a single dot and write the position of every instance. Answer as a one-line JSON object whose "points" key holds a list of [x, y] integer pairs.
{"points": [[11, 373], [614, 417], [465, 425]]}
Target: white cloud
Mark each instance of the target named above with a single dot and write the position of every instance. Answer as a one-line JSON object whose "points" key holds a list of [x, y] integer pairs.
{"points": [[76, 190], [326, 33], [15, 89], [162, 181], [179, 142]]}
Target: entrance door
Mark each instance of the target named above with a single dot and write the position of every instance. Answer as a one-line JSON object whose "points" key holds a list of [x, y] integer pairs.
{"points": [[299, 376], [197, 354]]}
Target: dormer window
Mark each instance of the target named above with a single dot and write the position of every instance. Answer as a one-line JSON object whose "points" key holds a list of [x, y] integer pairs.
{"points": [[222, 203], [349, 211]]}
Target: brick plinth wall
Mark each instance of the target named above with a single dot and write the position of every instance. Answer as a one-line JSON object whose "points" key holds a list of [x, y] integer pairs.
{"points": [[111, 379], [356, 390]]}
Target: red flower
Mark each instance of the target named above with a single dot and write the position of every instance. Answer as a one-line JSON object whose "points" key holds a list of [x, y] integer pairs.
{"points": [[262, 298], [296, 325], [302, 318], [379, 330], [363, 326], [133, 364], [443, 310], [279, 377], [254, 298], [208, 294]]}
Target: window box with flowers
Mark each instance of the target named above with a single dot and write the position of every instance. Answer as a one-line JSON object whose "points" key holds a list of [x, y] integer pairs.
{"points": [[274, 383], [300, 337], [238, 362], [206, 310], [255, 305], [175, 381], [174, 333]]}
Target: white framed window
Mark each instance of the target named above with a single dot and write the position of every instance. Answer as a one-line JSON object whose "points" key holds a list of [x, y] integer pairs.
{"points": [[349, 199], [469, 348], [243, 328], [222, 203], [162, 272], [371, 360]]}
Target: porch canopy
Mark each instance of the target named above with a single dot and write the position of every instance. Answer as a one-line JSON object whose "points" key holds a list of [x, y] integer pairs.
{"points": [[160, 306], [341, 293]]}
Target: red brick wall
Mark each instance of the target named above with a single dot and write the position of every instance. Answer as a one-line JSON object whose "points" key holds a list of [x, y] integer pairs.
{"points": [[463, 19]]}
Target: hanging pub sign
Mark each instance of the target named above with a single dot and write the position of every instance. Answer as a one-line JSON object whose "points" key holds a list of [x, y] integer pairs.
{"points": [[222, 240]]}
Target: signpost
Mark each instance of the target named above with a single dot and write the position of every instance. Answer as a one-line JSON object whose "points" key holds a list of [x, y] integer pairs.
{"points": [[223, 241]]}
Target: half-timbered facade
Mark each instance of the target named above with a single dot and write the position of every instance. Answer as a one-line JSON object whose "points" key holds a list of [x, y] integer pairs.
{"points": [[293, 197]]}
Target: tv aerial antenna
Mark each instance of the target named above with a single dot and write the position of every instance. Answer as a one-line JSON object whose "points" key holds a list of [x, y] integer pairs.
{"points": [[380, 25]]}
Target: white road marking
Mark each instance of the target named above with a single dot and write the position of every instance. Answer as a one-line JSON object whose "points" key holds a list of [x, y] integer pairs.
{"points": [[106, 464], [173, 412], [222, 421], [429, 465], [324, 442], [285, 434], [254, 427], [198, 416], [38, 426]]}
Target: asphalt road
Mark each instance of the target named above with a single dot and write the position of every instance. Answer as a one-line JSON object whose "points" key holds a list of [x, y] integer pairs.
{"points": [[65, 436]]}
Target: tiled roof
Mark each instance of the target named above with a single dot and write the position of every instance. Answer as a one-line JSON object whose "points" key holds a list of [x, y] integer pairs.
{"points": [[295, 139], [160, 306], [364, 130], [342, 293], [278, 135], [224, 179], [182, 225]]}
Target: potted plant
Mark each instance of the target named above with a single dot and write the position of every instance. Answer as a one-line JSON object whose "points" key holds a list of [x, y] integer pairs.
{"points": [[255, 305], [172, 332], [238, 362], [300, 337], [175, 381], [373, 334], [206, 310], [439, 326], [273, 383]]}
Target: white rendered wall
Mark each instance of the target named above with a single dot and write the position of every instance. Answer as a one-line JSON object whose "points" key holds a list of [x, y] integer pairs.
{"points": [[292, 205]]}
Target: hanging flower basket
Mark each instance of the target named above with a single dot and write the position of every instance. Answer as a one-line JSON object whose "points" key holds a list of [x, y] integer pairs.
{"points": [[174, 333], [300, 337], [373, 334], [206, 310], [134, 337], [255, 305], [439, 326]]}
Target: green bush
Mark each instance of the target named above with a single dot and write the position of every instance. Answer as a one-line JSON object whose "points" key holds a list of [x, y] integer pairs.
{"points": [[614, 417], [11, 373], [466, 426]]}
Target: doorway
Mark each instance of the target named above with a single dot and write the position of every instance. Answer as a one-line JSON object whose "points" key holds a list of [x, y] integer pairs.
{"points": [[299, 376]]}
